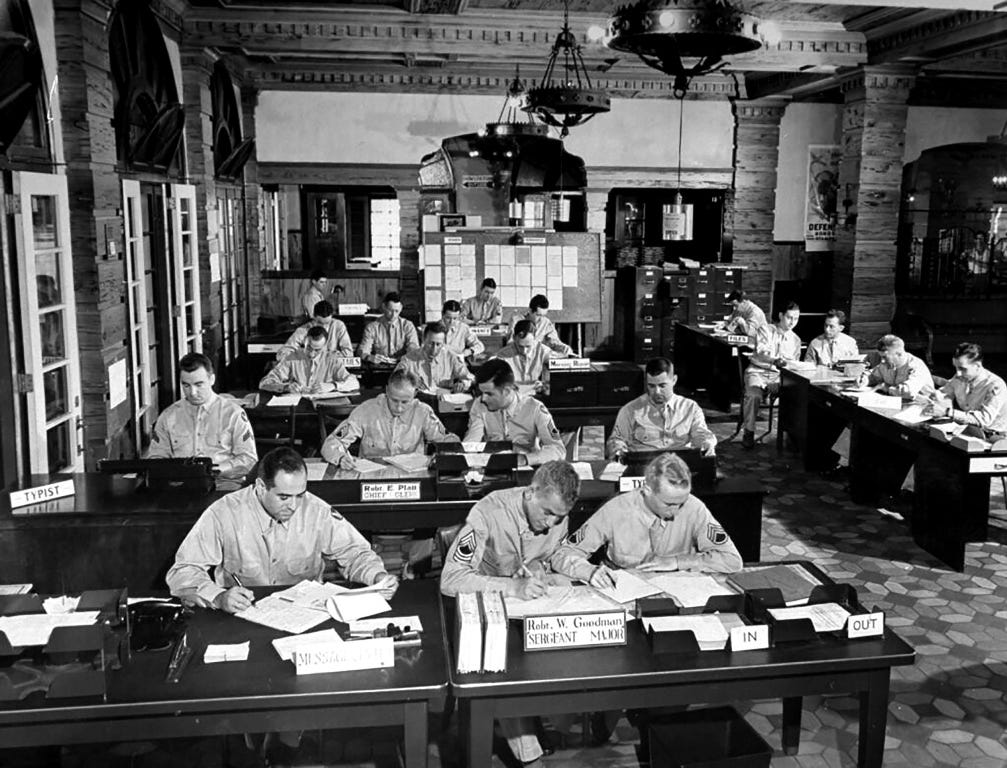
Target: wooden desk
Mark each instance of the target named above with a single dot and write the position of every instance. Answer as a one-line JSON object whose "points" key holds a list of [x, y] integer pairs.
{"points": [[632, 677], [261, 694], [952, 486], [707, 362]]}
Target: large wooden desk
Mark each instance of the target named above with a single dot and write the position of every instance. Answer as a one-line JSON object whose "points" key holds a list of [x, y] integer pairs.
{"points": [[704, 361], [632, 677], [952, 486], [261, 694]]}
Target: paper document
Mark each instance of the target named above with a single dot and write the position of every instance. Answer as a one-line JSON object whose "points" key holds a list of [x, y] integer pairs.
{"points": [[284, 401], [913, 414], [35, 628], [877, 400], [710, 632], [612, 472], [408, 462], [459, 398], [570, 599], [279, 614], [410, 623], [473, 447], [352, 606], [629, 587], [689, 590], [583, 470], [285, 646], [62, 604], [15, 589], [233, 652], [364, 466], [826, 617], [316, 469], [329, 398]]}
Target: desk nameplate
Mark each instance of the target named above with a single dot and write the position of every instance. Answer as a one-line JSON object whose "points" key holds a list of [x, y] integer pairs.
{"points": [[737, 338], [263, 349], [865, 625], [482, 330], [399, 491], [345, 657], [42, 493], [351, 362], [988, 465], [570, 364], [750, 637], [630, 483], [574, 630]]}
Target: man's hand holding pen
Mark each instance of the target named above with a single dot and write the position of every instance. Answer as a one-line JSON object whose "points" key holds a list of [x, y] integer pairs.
{"points": [[528, 585], [236, 599]]}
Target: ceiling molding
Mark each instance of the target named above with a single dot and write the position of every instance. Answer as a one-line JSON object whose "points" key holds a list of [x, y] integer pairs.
{"points": [[937, 38]]}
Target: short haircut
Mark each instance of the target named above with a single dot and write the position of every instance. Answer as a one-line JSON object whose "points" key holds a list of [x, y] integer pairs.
{"points": [[658, 365], [318, 332], [451, 306], [278, 460], [671, 469], [496, 372], [194, 360], [401, 377], [538, 301], [790, 305], [522, 329], [890, 341], [317, 274], [967, 349], [489, 282], [737, 295], [560, 478], [434, 327], [838, 314], [323, 309], [392, 297]]}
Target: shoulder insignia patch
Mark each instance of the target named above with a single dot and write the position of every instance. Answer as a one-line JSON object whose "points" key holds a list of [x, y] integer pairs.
{"points": [[247, 436], [553, 432], [466, 548], [576, 536], [336, 514], [716, 534]]}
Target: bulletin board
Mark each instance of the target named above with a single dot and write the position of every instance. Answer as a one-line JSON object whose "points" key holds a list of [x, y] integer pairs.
{"points": [[563, 266]]}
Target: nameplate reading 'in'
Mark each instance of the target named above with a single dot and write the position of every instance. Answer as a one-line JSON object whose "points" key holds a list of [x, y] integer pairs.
{"points": [[749, 637], [630, 483], [344, 657], [574, 630], [390, 491], [41, 493], [865, 625]]}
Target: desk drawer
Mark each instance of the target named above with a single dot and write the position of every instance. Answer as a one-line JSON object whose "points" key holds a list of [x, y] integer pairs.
{"points": [[988, 465]]}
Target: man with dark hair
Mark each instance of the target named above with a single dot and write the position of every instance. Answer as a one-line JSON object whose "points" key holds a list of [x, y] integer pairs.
{"points": [[541, 326], [833, 345], [203, 423], [527, 356], [460, 338], [974, 396], [484, 309], [659, 419], [747, 316], [775, 346], [505, 546], [338, 341], [312, 371], [272, 533], [499, 413], [386, 340], [388, 425], [434, 365], [315, 292]]}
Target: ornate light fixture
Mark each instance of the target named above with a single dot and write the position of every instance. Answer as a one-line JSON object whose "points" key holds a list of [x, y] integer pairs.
{"points": [[571, 100], [684, 38]]}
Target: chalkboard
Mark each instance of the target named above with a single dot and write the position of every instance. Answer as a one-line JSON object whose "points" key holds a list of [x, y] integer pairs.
{"points": [[563, 266]]}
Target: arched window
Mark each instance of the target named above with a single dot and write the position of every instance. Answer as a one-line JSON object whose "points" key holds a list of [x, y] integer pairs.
{"points": [[24, 130], [230, 152]]}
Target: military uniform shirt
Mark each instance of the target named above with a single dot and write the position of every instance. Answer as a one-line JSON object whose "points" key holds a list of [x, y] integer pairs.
{"points": [[382, 434], [218, 429], [527, 368], [338, 341], [460, 338], [984, 400], [526, 423], [544, 331], [747, 318], [236, 536], [443, 371], [771, 343], [642, 426], [493, 544], [305, 372], [632, 535], [913, 374], [475, 311], [825, 351], [308, 300], [389, 338]]}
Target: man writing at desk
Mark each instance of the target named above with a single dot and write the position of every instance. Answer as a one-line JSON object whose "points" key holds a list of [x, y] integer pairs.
{"points": [[528, 357], [659, 419], [899, 372], [460, 338], [501, 414], [311, 371], [435, 366], [386, 340], [833, 345], [505, 546], [775, 346], [338, 340], [203, 423], [542, 327], [747, 317], [391, 424], [974, 396], [484, 309]]}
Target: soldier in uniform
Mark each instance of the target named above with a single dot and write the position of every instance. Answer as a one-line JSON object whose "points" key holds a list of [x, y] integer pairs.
{"points": [[484, 309], [338, 341], [899, 372], [460, 338], [747, 317], [541, 326], [833, 345], [775, 345], [501, 414], [388, 339], [315, 292], [311, 371], [528, 357], [435, 366]]}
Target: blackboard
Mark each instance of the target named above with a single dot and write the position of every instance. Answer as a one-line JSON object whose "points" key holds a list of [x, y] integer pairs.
{"points": [[579, 251]]}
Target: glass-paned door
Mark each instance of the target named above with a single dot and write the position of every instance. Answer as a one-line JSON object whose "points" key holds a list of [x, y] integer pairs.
{"points": [[185, 264], [48, 323], [230, 246], [137, 310]]}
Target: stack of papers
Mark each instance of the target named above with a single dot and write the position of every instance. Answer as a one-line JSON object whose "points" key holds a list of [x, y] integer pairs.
{"points": [[458, 398], [235, 652], [15, 589], [35, 628], [329, 398], [408, 462], [469, 645], [826, 617], [710, 632], [689, 590], [286, 646], [351, 606], [629, 587], [612, 472], [495, 628], [571, 599], [60, 604], [276, 613]]}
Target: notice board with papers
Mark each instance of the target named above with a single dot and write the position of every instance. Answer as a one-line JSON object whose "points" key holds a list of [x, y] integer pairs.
{"points": [[563, 266]]}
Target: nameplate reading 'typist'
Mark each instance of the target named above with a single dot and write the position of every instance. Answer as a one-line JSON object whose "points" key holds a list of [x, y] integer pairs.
{"points": [[41, 493], [344, 657], [574, 630], [390, 491], [630, 483]]}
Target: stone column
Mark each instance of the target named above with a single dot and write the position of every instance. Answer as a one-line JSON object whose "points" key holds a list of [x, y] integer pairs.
{"points": [[870, 182], [409, 237], [756, 157], [255, 227]]}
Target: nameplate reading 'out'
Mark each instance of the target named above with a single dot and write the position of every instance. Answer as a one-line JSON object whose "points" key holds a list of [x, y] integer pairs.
{"points": [[865, 625], [41, 493], [574, 630], [344, 657], [630, 483], [390, 491]]}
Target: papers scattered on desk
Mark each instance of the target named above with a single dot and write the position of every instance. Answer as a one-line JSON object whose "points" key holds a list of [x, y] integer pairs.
{"points": [[316, 469], [583, 470], [408, 462], [826, 617], [913, 414], [575, 598], [406, 623], [366, 466], [458, 398], [234, 652], [801, 365], [629, 587], [62, 604], [285, 646], [15, 589], [277, 613], [612, 472], [690, 590], [35, 628], [329, 398], [348, 607], [711, 633], [348, 385], [877, 400], [284, 401]]}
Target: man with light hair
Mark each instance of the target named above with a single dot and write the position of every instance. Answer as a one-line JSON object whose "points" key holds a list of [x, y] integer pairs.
{"points": [[338, 341], [833, 345], [899, 372]]}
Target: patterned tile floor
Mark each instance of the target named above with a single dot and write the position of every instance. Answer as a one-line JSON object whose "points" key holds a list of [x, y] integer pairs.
{"points": [[949, 709]]}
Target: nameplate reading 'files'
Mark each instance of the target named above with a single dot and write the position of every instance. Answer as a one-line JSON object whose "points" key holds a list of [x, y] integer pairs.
{"points": [[630, 483], [574, 630], [41, 493], [345, 657], [390, 491], [737, 338]]}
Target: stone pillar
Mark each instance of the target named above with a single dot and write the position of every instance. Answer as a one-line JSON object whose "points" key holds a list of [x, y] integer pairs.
{"points": [[255, 225], [870, 182], [409, 237], [96, 224], [756, 157], [596, 204]]}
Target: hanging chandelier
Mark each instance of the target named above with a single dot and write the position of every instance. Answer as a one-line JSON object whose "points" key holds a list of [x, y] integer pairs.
{"points": [[684, 38], [569, 100]]}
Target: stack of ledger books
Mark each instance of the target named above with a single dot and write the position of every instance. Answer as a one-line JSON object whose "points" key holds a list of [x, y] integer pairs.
{"points": [[482, 632]]}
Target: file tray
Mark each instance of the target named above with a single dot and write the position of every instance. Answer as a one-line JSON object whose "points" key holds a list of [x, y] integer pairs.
{"points": [[71, 664], [451, 470], [800, 630], [111, 604], [716, 737], [194, 473], [685, 641], [490, 446]]}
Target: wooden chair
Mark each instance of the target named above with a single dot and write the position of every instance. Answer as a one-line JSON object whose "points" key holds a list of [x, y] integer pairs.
{"points": [[768, 401]]}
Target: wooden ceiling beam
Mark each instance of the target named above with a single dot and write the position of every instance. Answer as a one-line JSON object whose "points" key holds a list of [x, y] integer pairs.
{"points": [[938, 38], [948, 5]]}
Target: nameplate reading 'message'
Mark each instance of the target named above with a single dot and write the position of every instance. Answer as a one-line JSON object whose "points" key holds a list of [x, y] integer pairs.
{"points": [[574, 630], [41, 493], [390, 491], [344, 657], [631, 483], [570, 364]]}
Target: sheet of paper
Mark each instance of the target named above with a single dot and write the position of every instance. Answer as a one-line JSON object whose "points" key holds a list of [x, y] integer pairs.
{"points": [[452, 256], [522, 295], [583, 470], [15, 589], [569, 255], [539, 279], [612, 472], [507, 275], [432, 254], [569, 599], [413, 624], [458, 398], [493, 270], [555, 299], [570, 277], [554, 266], [710, 632], [538, 256], [629, 587], [284, 401], [491, 255], [508, 295], [352, 606], [62, 604], [366, 466], [826, 617], [285, 646], [467, 251], [432, 276], [913, 414], [877, 400], [316, 470], [408, 462], [284, 616], [35, 628], [233, 652], [690, 590]]}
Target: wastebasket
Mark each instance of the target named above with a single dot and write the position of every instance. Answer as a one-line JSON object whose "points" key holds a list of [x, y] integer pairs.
{"points": [[717, 737]]}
